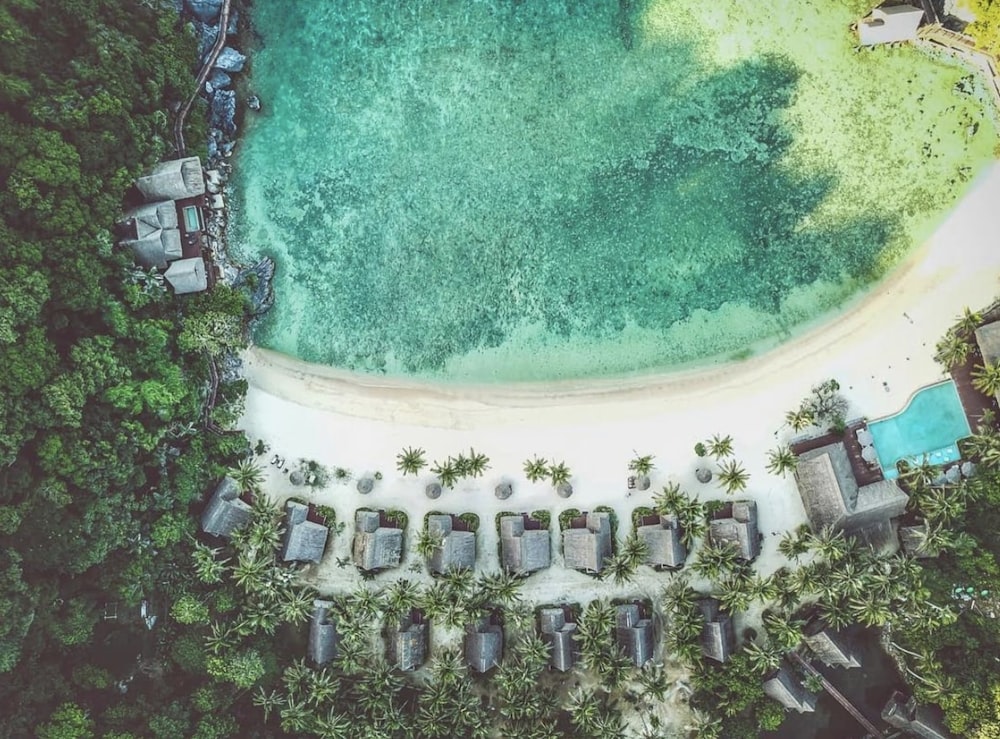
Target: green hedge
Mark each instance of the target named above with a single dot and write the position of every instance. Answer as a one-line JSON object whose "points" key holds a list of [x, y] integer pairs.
{"points": [[567, 516], [543, 517], [471, 520], [640, 513]]}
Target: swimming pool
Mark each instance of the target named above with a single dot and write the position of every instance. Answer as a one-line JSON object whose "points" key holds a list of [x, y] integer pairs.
{"points": [[929, 426]]}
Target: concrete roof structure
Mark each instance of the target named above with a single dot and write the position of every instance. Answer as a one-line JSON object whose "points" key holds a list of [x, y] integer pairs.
{"points": [[663, 543], [483, 645], [890, 24], [524, 550], [173, 180], [831, 495], [718, 636], [633, 633], [323, 636], [225, 512], [560, 635], [304, 540], [457, 550], [589, 547], [736, 526], [785, 688], [187, 276], [375, 547]]}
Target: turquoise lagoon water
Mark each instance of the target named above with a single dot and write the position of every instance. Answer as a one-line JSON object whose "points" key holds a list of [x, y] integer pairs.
{"points": [[929, 426], [502, 190]]}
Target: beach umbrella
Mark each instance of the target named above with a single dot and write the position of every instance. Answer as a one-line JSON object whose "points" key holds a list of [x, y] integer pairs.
{"points": [[433, 490], [642, 482], [564, 490], [296, 478], [869, 455], [703, 474], [504, 490], [366, 485], [865, 437]]}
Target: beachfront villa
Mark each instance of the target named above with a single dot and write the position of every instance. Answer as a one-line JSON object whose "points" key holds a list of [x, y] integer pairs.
{"points": [[718, 636], [664, 547], [735, 525], [408, 642], [889, 24], [559, 632], [784, 687], [376, 546], [483, 644], [323, 635], [304, 540], [226, 510], [456, 549], [164, 232], [634, 632], [524, 550], [587, 542], [832, 497]]}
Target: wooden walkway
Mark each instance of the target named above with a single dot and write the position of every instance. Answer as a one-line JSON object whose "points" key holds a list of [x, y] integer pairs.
{"points": [[838, 696], [864, 473], [973, 401]]}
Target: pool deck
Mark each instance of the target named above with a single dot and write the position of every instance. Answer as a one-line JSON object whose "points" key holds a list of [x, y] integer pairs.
{"points": [[864, 473], [973, 402]]}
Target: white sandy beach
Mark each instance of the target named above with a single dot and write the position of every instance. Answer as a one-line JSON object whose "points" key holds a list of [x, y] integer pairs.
{"points": [[596, 427]]}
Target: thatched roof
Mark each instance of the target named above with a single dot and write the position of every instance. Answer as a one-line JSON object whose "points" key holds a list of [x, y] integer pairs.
{"points": [[323, 636], [785, 688], [457, 550], [304, 541], [173, 180], [523, 550], [375, 547], [483, 646], [588, 548], [718, 637], [560, 635], [890, 24], [903, 712], [187, 276], [156, 239], [634, 634], [225, 511], [738, 530], [408, 645], [988, 339], [663, 542], [828, 647]]}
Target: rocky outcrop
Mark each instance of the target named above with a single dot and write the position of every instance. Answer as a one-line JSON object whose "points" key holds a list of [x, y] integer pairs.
{"points": [[204, 10], [223, 111], [230, 60], [257, 280]]}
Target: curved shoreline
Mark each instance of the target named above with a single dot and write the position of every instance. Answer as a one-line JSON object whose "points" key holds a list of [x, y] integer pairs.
{"points": [[956, 267]]}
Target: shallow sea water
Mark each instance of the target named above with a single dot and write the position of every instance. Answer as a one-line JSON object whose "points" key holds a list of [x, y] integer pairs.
{"points": [[503, 191]]}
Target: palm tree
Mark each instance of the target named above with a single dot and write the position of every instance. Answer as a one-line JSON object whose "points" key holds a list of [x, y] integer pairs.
{"points": [[296, 716], [222, 638], [620, 569], [428, 543], [207, 567], [584, 708], [952, 350], [335, 725], [500, 587], [720, 446], [533, 651], [401, 596], [801, 418], [986, 379], [296, 605], [447, 473], [635, 550], [781, 461], [829, 544], [967, 323], [870, 611], [536, 469], [794, 544], [247, 474], [642, 465], [763, 660], [704, 725], [322, 686], [734, 594], [783, 630], [668, 500], [733, 476], [267, 701], [476, 464], [713, 559], [250, 571], [365, 604], [942, 505], [559, 474], [410, 461]]}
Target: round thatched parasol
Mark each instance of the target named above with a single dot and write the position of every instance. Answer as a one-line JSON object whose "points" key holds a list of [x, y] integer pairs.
{"points": [[564, 490], [642, 482], [296, 478], [433, 490], [366, 485], [703, 474], [504, 490]]}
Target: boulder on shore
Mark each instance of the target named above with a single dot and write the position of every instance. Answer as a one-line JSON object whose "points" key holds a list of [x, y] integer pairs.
{"points": [[258, 279], [230, 60], [205, 10], [219, 80], [224, 111]]}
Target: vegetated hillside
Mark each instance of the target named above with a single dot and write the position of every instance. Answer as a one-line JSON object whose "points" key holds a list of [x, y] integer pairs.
{"points": [[101, 373], [986, 28]]}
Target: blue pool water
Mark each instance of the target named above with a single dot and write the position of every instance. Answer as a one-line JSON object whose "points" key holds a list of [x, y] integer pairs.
{"points": [[930, 425]]}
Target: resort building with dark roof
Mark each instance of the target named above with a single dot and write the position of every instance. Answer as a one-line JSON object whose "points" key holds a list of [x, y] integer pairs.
{"points": [[524, 550], [828, 647], [587, 547], [890, 24], [483, 645], [735, 525], [376, 547], [408, 642], [718, 636], [323, 636], [457, 549], [784, 687], [831, 495], [634, 633], [905, 713], [664, 547], [560, 634], [304, 540], [226, 511]]}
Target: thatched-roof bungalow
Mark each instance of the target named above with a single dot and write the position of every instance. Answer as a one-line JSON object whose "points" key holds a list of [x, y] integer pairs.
{"points": [[828, 647], [905, 713], [784, 687], [483, 645], [187, 276], [304, 540], [225, 512], [408, 642], [634, 633], [457, 550], [376, 547], [176, 179], [154, 235], [588, 547], [523, 550], [663, 543], [735, 525], [323, 636], [718, 636], [560, 634]]}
